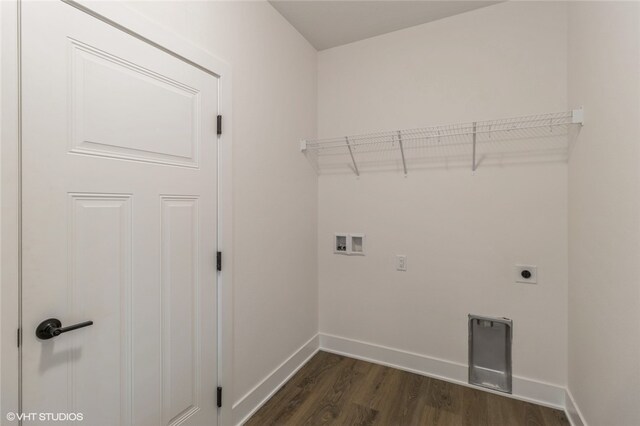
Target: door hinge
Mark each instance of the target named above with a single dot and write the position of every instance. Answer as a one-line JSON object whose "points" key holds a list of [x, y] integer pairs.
{"points": [[219, 396], [18, 337], [219, 124], [219, 260]]}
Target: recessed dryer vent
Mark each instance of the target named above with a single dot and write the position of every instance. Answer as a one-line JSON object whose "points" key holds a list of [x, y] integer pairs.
{"points": [[490, 352]]}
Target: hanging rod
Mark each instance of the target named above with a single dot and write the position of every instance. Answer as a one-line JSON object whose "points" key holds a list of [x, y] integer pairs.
{"points": [[532, 126]]}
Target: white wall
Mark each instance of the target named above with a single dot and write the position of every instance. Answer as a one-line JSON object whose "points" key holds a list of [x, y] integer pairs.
{"points": [[275, 191], [462, 233], [604, 213]]}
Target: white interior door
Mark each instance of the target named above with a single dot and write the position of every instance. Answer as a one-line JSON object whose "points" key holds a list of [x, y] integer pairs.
{"points": [[119, 225]]}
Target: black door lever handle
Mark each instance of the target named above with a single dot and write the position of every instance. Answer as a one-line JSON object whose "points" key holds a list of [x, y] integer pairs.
{"points": [[52, 327]]}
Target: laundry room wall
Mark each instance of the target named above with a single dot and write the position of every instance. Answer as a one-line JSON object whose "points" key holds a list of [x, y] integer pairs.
{"points": [[463, 233], [604, 214]]}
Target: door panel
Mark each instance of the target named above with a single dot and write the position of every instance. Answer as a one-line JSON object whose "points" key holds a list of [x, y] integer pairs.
{"points": [[99, 238], [181, 363], [119, 224], [107, 90]]}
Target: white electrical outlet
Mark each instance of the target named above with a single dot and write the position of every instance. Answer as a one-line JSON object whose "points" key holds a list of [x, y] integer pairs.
{"points": [[401, 262], [527, 274]]}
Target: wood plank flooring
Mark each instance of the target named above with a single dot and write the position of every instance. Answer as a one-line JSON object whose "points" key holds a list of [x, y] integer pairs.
{"points": [[336, 390]]}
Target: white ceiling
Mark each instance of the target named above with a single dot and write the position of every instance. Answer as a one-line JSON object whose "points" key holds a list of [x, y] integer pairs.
{"points": [[329, 23]]}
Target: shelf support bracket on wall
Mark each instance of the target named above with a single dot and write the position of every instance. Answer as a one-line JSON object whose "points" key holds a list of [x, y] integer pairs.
{"points": [[474, 165], [404, 163], [355, 166]]}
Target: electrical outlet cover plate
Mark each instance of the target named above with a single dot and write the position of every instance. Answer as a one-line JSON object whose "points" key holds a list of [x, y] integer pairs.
{"points": [[522, 269], [401, 262]]}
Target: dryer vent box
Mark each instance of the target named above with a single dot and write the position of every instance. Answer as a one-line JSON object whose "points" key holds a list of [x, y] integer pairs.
{"points": [[490, 352]]}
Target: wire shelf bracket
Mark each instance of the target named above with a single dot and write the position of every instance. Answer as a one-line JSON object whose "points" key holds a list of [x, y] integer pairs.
{"points": [[404, 161], [474, 165], [473, 134], [353, 159]]}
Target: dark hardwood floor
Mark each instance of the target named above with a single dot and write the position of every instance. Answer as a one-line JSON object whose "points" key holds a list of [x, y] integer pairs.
{"points": [[333, 389]]}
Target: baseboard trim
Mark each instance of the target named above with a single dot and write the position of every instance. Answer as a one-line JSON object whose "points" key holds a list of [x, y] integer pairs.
{"points": [[246, 406], [523, 388], [573, 412]]}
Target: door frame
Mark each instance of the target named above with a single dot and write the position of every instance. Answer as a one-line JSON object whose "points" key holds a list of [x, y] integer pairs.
{"points": [[141, 27]]}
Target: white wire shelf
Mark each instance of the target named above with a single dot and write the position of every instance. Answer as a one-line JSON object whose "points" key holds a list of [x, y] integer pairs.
{"points": [[462, 140]]}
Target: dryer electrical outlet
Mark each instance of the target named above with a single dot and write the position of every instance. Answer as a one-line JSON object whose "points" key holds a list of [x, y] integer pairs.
{"points": [[527, 274]]}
